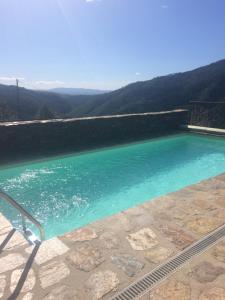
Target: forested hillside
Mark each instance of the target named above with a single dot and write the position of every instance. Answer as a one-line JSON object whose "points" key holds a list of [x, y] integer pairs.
{"points": [[162, 93]]}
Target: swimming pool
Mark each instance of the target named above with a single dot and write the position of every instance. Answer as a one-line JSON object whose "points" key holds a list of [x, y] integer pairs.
{"points": [[68, 192]]}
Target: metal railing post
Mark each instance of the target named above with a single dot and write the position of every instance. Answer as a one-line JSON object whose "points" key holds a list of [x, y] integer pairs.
{"points": [[24, 214]]}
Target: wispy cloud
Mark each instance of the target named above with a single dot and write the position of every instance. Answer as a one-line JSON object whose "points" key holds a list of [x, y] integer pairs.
{"points": [[164, 6], [88, 1], [49, 82], [137, 73], [10, 78]]}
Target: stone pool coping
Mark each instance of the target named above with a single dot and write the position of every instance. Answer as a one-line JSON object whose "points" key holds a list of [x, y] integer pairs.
{"points": [[202, 129], [100, 259]]}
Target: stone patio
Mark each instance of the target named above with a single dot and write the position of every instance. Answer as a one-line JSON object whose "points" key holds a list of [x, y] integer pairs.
{"points": [[104, 257]]}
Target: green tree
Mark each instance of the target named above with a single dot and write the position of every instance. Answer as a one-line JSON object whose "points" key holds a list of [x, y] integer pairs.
{"points": [[45, 114]]}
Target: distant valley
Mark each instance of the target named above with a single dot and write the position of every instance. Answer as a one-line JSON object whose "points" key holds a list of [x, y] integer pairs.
{"points": [[77, 91], [162, 93]]}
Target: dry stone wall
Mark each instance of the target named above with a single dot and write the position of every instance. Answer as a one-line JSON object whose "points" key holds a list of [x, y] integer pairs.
{"points": [[40, 138]]}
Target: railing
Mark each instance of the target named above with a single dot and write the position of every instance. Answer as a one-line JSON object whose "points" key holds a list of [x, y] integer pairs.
{"points": [[24, 214], [207, 114]]}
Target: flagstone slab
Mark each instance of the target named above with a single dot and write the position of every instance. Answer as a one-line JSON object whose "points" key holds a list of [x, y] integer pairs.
{"points": [[101, 283], [158, 254], [203, 225], [80, 235], [17, 240], [213, 186], [62, 292], [206, 272], [171, 290], [161, 203], [139, 215], [219, 215], [130, 265], [53, 273], [109, 240], [142, 239], [184, 195], [178, 214], [2, 285], [177, 236], [86, 258], [220, 177], [48, 250], [116, 222], [204, 201], [28, 284], [220, 201], [214, 293], [219, 252], [5, 225], [28, 296], [11, 262], [162, 217]]}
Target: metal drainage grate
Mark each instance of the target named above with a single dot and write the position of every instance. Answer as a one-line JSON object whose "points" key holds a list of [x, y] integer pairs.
{"points": [[150, 280]]}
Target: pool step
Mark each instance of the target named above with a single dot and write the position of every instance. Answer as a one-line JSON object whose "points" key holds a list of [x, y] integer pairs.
{"points": [[163, 271]]}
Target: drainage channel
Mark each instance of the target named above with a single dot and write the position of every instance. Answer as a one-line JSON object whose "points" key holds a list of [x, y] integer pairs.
{"points": [[160, 273]]}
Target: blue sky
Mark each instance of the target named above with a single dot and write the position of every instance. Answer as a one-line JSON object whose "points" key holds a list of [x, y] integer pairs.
{"points": [[106, 43]]}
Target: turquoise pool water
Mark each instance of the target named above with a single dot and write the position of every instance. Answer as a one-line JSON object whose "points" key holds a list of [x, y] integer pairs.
{"points": [[68, 192]]}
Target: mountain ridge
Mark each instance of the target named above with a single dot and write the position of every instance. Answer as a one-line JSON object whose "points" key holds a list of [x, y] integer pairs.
{"points": [[206, 83]]}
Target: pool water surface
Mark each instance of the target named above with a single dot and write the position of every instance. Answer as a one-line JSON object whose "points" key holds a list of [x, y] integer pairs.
{"points": [[67, 192]]}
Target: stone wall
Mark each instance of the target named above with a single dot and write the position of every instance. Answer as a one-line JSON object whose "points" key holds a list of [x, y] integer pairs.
{"points": [[208, 114], [20, 140]]}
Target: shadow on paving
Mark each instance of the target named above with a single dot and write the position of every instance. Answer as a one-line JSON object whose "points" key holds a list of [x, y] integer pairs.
{"points": [[27, 267]]}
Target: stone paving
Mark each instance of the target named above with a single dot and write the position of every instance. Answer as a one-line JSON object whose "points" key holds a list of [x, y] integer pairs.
{"points": [[104, 257]]}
